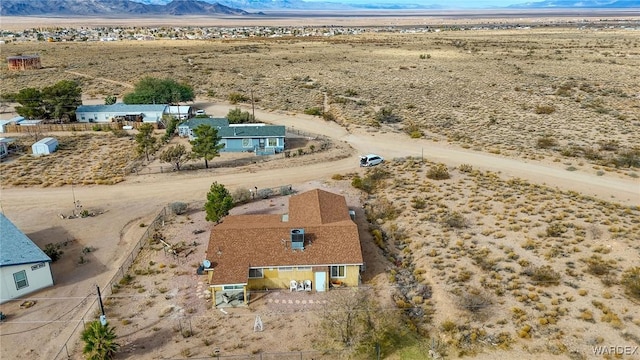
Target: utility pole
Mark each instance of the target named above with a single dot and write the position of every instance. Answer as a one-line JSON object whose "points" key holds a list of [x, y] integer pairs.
{"points": [[103, 317], [253, 107]]}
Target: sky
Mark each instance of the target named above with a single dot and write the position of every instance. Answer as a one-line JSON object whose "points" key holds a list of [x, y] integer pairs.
{"points": [[447, 3]]}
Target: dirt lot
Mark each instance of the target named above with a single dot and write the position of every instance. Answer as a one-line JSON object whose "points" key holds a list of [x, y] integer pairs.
{"points": [[507, 197]]}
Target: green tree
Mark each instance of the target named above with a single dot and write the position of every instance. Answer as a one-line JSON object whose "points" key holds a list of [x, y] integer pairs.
{"points": [[206, 144], [30, 100], [237, 116], [159, 91], [145, 139], [61, 100], [99, 341], [110, 100], [219, 202], [176, 155]]}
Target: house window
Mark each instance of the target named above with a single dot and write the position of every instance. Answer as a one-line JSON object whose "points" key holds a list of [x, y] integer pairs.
{"points": [[233, 287], [338, 271], [21, 279], [37, 266], [255, 274], [304, 268], [272, 142], [288, 268], [246, 142]]}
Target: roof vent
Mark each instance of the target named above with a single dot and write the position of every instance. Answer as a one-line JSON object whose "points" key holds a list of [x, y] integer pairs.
{"points": [[297, 239]]}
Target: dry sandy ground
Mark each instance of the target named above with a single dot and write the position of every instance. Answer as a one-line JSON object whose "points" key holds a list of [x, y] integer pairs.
{"points": [[138, 199]]}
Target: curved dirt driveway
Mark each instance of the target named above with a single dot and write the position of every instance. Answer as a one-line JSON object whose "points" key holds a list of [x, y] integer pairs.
{"points": [[155, 189]]}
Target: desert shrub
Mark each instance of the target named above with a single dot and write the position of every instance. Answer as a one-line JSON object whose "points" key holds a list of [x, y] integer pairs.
{"points": [[371, 181], [386, 115], [545, 109], [465, 168], [631, 281], [178, 208], [546, 142], [474, 300], [542, 275], [609, 145], [418, 203], [597, 266], [126, 280], [416, 134], [337, 177], [316, 111], [455, 220], [629, 158], [236, 97], [438, 172], [555, 230], [329, 116], [53, 251], [382, 209]]}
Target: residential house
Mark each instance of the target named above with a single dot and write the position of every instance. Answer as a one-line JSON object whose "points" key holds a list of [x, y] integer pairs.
{"points": [[259, 138], [24, 268], [186, 128], [262, 139], [149, 113], [315, 243]]}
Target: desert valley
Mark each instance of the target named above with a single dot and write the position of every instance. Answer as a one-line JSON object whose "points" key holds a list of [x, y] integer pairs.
{"points": [[503, 223]]}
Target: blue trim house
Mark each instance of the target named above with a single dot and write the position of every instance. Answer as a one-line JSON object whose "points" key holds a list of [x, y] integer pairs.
{"points": [[186, 128], [24, 267], [148, 113], [259, 138], [262, 139]]}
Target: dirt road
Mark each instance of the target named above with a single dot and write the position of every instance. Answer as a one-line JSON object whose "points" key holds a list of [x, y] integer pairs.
{"points": [[139, 198]]}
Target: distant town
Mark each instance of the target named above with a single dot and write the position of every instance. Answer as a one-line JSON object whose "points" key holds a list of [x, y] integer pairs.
{"points": [[60, 34]]}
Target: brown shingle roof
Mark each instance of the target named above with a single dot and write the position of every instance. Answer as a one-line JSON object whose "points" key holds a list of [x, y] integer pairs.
{"points": [[244, 241]]}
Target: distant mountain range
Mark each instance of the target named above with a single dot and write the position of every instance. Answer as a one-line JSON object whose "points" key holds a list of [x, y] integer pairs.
{"points": [[240, 7], [113, 7]]}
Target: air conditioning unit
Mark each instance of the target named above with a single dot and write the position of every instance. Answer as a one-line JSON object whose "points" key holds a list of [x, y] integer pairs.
{"points": [[297, 239]]}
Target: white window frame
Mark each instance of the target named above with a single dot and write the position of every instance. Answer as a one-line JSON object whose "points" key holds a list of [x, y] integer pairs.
{"points": [[285, 269], [259, 275], [270, 140], [24, 279], [232, 287], [246, 142], [335, 271], [304, 268]]}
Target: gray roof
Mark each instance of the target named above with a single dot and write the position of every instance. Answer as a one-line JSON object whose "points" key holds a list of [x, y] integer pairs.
{"points": [[213, 122], [122, 108], [252, 131], [16, 248]]}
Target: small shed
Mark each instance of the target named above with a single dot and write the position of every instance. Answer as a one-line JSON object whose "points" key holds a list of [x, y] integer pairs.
{"points": [[24, 62], [4, 147], [44, 146]]}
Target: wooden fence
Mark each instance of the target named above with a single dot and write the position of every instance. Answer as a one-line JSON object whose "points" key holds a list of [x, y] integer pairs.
{"points": [[76, 126]]}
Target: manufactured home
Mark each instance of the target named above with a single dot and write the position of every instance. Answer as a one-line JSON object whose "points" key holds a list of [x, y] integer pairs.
{"points": [[24, 267]]}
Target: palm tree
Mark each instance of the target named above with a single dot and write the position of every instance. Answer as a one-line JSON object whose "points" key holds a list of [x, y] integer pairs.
{"points": [[99, 341]]}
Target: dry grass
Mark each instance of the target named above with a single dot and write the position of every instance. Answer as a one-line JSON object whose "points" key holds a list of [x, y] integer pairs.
{"points": [[499, 91], [86, 158], [554, 258]]}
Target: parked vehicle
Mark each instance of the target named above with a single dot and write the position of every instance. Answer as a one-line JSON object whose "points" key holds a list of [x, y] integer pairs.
{"points": [[370, 160]]}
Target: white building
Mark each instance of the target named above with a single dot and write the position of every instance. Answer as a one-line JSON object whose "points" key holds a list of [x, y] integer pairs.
{"points": [[44, 146], [109, 113], [24, 268]]}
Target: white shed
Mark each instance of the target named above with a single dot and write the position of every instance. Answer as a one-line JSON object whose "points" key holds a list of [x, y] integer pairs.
{"points": [[44, 146]]}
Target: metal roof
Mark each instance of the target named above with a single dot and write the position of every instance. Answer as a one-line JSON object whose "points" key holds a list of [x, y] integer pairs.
{"points": [[213, 122], [16, 248], [122, 108], [252, 131]]}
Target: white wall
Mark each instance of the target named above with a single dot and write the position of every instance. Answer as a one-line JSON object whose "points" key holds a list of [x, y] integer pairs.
{"points": [[38, 278]]}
